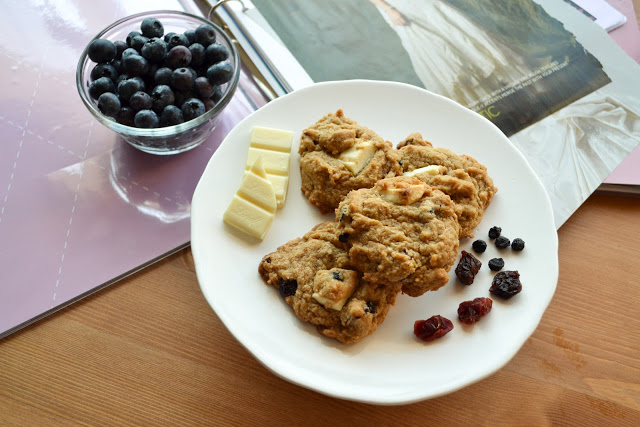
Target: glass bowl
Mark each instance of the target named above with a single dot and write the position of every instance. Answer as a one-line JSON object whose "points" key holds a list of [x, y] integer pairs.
{"points": [[170, 139]]}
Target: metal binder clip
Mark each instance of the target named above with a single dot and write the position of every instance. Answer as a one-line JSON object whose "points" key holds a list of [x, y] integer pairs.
{"points": [[220, 3]]}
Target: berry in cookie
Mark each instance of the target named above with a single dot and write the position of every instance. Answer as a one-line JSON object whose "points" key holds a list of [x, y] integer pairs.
{"points": [[461, 177], [400, 231], [314, 276], [339, 155]]}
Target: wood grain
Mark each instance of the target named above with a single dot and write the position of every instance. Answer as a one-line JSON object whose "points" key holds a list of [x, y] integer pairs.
{"points": [[149, 350]]}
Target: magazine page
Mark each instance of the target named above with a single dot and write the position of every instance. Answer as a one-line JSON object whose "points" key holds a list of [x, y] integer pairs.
{"points": [[548, 76]]}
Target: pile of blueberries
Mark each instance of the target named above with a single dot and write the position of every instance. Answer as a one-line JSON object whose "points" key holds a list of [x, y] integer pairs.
{"points": [[151, 81]]}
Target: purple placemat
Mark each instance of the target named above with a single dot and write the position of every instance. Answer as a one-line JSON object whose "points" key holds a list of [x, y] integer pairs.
{"points": [[79, 207]]}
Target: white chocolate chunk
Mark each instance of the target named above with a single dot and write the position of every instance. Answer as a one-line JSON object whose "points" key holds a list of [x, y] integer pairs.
{"points": [[271, 139], [257, 188], [431, 170], [248, 217], [402, 195], [280, 186], [332, 288], [275, 162], [357, 157]]}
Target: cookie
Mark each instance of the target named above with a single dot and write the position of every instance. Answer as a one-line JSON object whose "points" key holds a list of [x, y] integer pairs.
{"points": [[461, 177], [400, 231], [339, 155], [314, 276]]}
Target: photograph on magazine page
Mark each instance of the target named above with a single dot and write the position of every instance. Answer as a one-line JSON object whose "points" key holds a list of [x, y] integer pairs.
{"points": [[507, 60]]}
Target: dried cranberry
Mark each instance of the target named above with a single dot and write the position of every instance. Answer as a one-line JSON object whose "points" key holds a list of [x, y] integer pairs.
{"points": [[287, 287], [494, 232], [471, 311], [496, 264], [467, 268], [432, 328], [479, 246], [502, 242], [506, 284], [517, 244]]}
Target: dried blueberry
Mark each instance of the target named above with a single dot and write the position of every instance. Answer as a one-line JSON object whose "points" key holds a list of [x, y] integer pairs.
{"points": [[216, 53], [467, 268], [337, 276], [101, 50], [220, 73], [517, 244], [343, 237], [502, 242], [494, 232], [109, 104], [192, 108], [506, 284], [479, 246], [370, 308], [496, 264], [205, 35], [152, 27], [287, 287], [100, 86], [146, 119], [172, 115]]}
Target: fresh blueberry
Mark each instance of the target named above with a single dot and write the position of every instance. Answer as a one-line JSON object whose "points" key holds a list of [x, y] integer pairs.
{"points": [[146, 119], [122, 77], [168, 36], [154, 50], [100, 86], [171, 115], [197, 54], [101, 50], [191, 35], [177, 40], [217, 94], [220, 73], [109, 104], [128, 87], [181, 96], [121, 46], [161, 97], [204, 88], [128, 52], [125, 116], [140, 101], [131, 35], [152, 27], [216, 53], [182, 79], [178, 57], [138, 41], [205, 35], [163, 76], [104, 70], [208, 103], [136, 65], [192, 108], [117, 64]]}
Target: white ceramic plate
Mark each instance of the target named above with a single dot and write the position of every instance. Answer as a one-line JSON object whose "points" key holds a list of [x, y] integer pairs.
{"points": [[390, 366]]}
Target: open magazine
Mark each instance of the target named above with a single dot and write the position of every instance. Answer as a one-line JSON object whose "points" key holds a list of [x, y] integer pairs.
{"points": [[544, 72]]}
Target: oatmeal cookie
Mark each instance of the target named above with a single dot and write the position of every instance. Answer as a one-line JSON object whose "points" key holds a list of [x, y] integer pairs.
{"points": [[314, 276], [339, 155], [461, 177], [400, 231]]}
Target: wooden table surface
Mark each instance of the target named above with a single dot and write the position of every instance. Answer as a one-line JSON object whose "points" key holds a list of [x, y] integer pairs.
{"points": [[149, 350]]}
